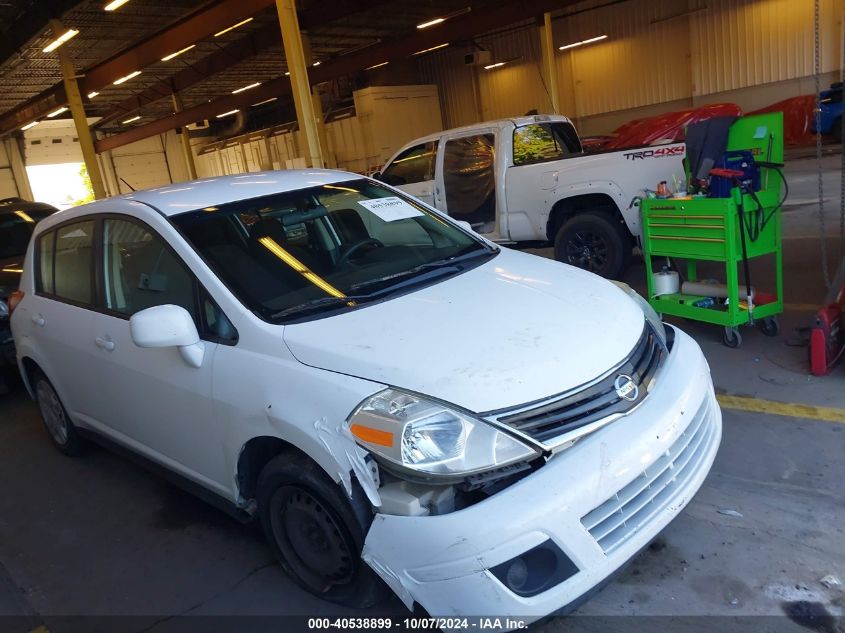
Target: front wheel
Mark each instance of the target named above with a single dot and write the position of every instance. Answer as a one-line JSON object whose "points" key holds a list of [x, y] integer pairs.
{"points": [[595, 242], [317, 532]]}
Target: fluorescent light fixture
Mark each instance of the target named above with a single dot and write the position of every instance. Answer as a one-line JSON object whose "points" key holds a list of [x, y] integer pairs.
{"points": [[93, 94], [234, 26], [376, 66], [64, 37], [125, 78], [132, 120], [425, 25], [29, 125], [317, 63], [433, 48], [56, 112], [270, 100], [114, 5], [167, 58], [229, 113], [287, 73], [257, 83], [496, 65], [582, 42]]}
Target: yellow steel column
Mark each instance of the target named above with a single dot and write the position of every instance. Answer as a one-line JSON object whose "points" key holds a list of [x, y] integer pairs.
{"points": [[187, 153], [77, 109], [18, 166], [292, 40], [547, 49], [328, 160]]}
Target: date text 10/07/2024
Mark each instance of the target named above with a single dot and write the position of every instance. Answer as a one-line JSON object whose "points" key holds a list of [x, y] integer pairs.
{"points": [[446, 624]]}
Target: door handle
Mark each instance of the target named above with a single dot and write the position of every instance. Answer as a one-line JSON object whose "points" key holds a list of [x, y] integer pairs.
{"points": [[104, 343], [38, 320]]}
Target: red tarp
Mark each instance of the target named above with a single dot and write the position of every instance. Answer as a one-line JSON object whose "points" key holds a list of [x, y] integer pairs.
{"points": [[669, 126], [797, 118]]}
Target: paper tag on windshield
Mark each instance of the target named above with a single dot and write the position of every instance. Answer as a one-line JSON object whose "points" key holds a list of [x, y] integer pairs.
{"points": [[390, 209]]}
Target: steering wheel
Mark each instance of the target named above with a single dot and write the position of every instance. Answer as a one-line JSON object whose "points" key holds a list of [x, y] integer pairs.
{"points": [[343, 259]]}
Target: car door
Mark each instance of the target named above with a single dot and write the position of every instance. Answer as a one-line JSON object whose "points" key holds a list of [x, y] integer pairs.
{"points": [[61, 315], [469, 179], [413, 171], [151, 399]]}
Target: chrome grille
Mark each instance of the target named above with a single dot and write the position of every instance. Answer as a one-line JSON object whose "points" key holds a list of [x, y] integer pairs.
{"points": [[620, 517], [553, 418]]}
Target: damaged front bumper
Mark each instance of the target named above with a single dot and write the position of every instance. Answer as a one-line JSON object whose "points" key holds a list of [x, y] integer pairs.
{"points": [[588, 510]]}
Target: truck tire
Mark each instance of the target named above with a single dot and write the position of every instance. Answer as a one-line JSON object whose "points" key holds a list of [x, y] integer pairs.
{"points": [[594, 241], [317, 532]]}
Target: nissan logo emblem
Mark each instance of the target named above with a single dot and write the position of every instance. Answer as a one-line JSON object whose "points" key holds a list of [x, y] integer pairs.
{"points": [[626, 388]]}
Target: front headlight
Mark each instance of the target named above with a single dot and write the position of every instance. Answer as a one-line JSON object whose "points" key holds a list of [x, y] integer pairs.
{"points": [[420, 436], [650, 314]]}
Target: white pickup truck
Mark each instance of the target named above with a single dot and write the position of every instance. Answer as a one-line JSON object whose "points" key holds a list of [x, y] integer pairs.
{"points": [[527, 180]]}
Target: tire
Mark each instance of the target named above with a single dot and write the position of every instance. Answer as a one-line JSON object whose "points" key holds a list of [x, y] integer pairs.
{"points": [[594, 241], [732, 337], [61, 430], [770, 326], [316, 532]]}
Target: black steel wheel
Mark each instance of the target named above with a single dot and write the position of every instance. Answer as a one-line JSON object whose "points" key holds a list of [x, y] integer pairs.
{"points": [[593, 241], [317, 531]]}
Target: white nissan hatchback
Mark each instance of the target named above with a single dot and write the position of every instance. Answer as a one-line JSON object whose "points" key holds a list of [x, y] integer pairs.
{"points": [[397, 400]]}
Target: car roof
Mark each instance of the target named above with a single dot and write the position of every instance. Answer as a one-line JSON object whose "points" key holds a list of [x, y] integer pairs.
{"points": [[10, 205], [516, 121], [192, 195]]}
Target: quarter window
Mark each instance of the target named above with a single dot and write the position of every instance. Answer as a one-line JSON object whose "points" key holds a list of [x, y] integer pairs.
{"points": [[45, 263], [72, 265], [538, 143], [140, 270], [413, 165]]}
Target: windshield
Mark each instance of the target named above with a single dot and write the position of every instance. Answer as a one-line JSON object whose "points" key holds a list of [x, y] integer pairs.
{"points": [[16, 228], [327, 248]]}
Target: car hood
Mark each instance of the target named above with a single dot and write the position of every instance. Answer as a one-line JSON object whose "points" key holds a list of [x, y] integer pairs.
{"points": [[10, 275], [516, 329]]}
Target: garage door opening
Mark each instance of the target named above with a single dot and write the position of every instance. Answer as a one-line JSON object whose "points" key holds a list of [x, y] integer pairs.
{"points": [[63, 185]]}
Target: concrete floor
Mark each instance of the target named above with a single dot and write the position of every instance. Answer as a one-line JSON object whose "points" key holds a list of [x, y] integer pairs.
{"points": [[100, 536]]}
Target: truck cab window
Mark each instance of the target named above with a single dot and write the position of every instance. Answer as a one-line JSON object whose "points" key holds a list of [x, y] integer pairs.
{"points": [[542, 142], [415, 164]]}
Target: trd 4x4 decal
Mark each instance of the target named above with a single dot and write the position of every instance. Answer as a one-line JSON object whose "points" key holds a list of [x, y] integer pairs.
{"points": [[677, 150]]}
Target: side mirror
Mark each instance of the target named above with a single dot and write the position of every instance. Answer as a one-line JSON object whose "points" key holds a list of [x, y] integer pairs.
{"points": [[168, 326]]}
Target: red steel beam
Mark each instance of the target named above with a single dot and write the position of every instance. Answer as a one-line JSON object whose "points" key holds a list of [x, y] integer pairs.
{"points": [[234, 53], [459, 28], [197, 26]]}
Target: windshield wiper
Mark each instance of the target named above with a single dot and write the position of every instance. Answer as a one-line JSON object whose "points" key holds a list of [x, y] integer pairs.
{"points": [[416, 271], [317, 304]]}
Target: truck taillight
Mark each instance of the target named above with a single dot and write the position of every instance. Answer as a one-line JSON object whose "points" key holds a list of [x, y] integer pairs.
{"points": [[14, 300]]}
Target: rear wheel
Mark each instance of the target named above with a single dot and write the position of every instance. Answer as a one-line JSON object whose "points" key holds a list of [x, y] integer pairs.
{"points": [[317, 532], [593, 241], [61, 429]]}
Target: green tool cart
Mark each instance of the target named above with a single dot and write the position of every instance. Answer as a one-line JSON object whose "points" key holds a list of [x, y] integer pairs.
{"points": [[708, 229]]}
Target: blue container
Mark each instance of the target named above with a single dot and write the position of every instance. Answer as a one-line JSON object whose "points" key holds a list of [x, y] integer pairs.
{"points": [[740, 160]]}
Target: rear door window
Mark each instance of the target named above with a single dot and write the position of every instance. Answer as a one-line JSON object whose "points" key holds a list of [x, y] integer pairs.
{"points": [[543, 142], [73, 263]]}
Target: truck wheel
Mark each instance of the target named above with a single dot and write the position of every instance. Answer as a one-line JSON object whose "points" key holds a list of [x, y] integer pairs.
{"points": [[53, 414], [595, 242], [316, 532]]}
